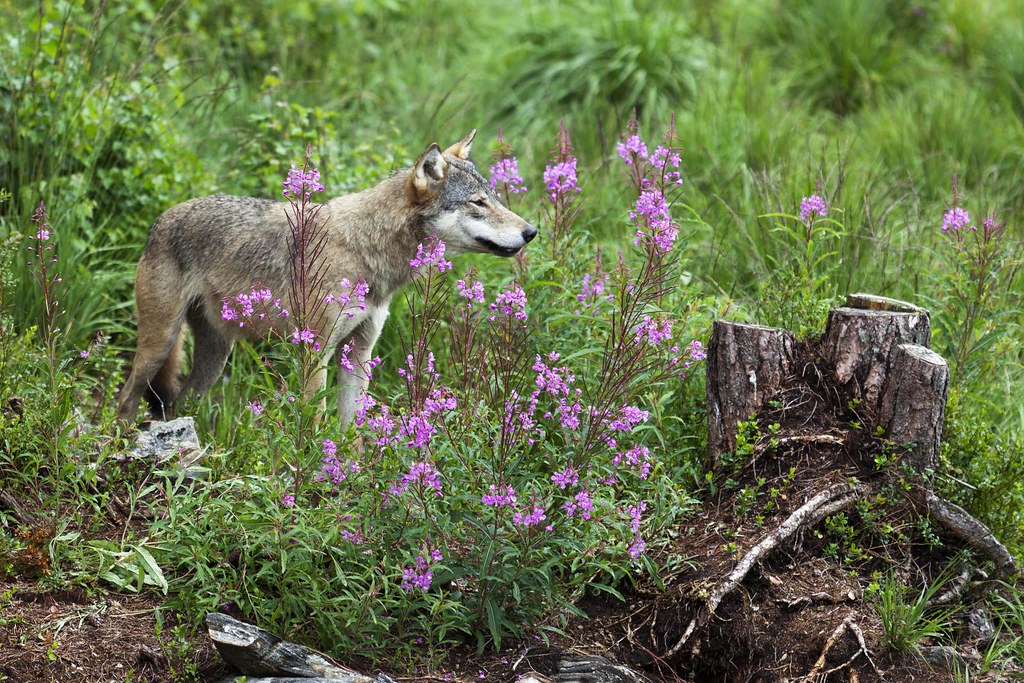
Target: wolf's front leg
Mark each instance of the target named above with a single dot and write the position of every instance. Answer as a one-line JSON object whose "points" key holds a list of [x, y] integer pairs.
{"points": [[353, 357]]}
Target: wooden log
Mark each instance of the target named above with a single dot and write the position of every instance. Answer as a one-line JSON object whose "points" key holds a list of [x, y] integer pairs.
{"points": [[859, 342], [258, 653], [913, 403], [746, 366]]}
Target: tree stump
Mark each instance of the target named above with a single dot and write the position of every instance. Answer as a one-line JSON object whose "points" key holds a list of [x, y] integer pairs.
{"points": [[860, 339], [746, 366], [913, 403]]}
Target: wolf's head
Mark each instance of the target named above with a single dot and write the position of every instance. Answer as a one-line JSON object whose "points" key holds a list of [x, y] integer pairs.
{"points": [[459, 206]]}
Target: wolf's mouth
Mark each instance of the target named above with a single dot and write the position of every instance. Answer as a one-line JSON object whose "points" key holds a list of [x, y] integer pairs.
{"points": [[497, 249]]}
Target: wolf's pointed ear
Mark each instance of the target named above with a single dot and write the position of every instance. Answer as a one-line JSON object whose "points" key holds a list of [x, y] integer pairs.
{"points": [[460, 149], [430, 171]]}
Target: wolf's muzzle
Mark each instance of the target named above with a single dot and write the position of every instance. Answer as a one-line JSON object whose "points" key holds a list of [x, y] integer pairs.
{"points": [[529, 232]]}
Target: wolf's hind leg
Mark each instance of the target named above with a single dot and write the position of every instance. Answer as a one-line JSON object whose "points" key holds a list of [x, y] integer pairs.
{"points": [[210, 353], [155, 370]]}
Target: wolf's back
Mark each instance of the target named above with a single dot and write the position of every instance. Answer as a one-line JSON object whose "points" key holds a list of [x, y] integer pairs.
{"points": [[224, 242]]}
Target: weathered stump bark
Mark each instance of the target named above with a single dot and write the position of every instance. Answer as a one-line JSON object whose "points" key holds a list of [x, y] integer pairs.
{"points": [[860, 341], [913, 403], [746, 366]]}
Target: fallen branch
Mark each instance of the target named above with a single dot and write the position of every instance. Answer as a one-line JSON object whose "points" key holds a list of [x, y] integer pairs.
{"points": [[827, 502]]}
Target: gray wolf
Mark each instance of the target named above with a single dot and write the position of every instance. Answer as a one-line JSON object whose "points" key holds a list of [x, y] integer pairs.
{"points": [[206, 249]]}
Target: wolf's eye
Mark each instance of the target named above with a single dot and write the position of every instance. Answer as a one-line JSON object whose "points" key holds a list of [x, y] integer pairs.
{"points": [[482, 203]]}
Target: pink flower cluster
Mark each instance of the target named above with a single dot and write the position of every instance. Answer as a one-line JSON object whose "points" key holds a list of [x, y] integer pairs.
{"points": [[332, 468], [300, 181], [421, 474], [635, 513], [511, 303], [957, 219], [349, 296], [653, 331], [561, 178], [499, 496], [505, 172], [654, 222], [811, 206], [254, 306], [431, 254], [418, 576], [633, 149], [471, 292]]}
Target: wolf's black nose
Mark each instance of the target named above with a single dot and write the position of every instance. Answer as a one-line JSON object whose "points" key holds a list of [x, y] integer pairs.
{"points": [[529, 232]]}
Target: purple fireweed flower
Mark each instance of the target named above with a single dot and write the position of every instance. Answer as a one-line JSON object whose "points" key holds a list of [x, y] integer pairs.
{"points": [[418, 429], [633, 147], [637, 458], [629, 417], [441, 400], [505, 172], [251, 307], [337, 471], [665, 158], [561, 178], [304, 336], [421, 474], [431, 254], [532, 518], [551, 380], [329, 448], [582, 504], [569, 476], [472, 292], [417, 576], [697, 351], [255, 407], [350, 297], [381, 424], [300, 181], [499, 496], [636, 548], [653, 331], [343, 359], [569, 414], [812, 205], [511, 302], [288, 500], [428, 371], [957, 218], [654, 221], [519, 414]]}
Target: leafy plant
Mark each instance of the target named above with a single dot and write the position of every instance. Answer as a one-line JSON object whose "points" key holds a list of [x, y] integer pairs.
{"points": [[907, 619]]}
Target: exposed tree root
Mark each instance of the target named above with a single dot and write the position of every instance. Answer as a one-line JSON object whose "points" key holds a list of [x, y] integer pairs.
{"points": [[970, 532], [830, 501], [817, 673]]}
